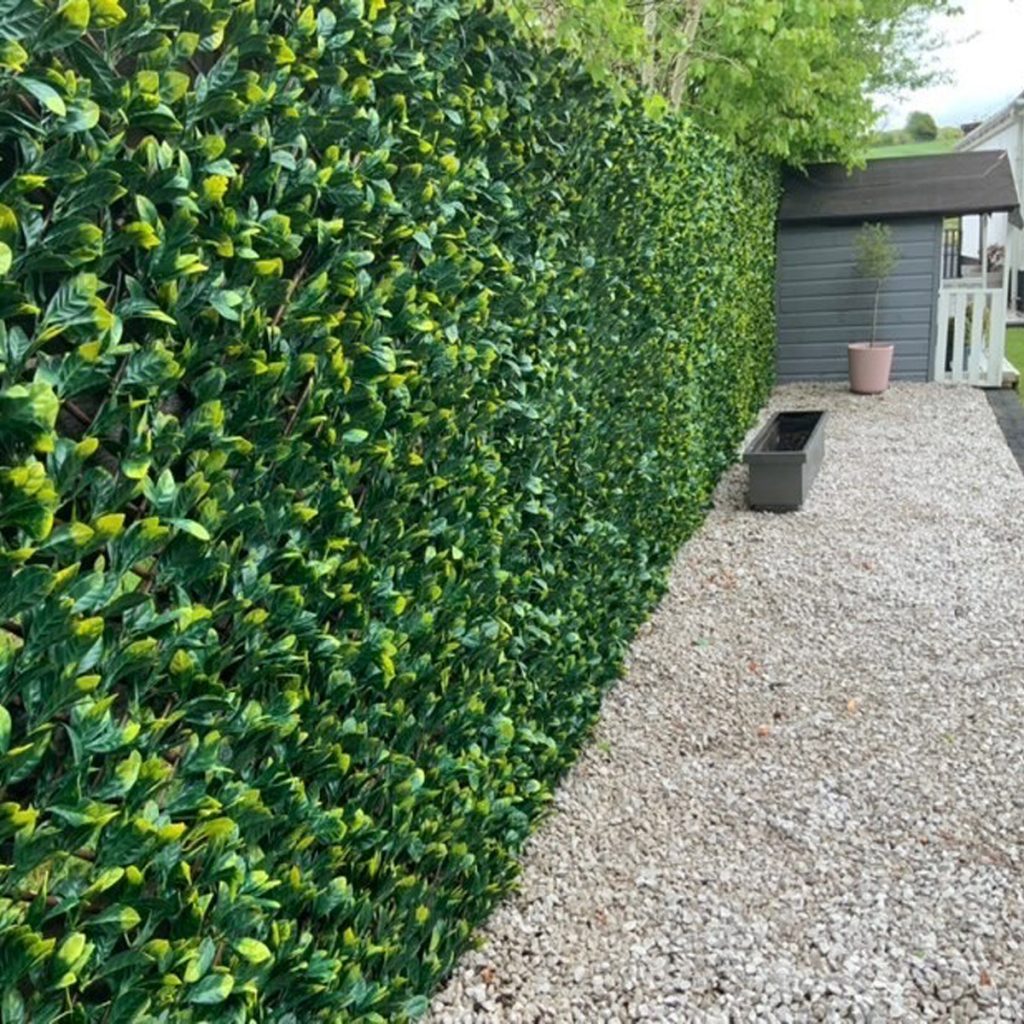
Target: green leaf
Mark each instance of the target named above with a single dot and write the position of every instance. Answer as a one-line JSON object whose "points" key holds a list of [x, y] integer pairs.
{"points": [[82, 115], [226, 302], [190, 526], [72, 949], [74, 304], [147, 210], [20, 19], [45, 94], [165, 491], [137, 467], [124, 918], [415, 1006], [13, 1007], [28, 413], [213, 989]]}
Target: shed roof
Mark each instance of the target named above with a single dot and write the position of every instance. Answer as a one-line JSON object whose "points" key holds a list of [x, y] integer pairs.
{"points": [[944, 185]]}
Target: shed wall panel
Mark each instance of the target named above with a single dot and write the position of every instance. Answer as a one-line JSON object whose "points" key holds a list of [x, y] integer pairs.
{"points": [[823, 304]]}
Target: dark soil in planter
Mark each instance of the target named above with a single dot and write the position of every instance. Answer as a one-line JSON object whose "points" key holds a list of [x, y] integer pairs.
{"points": [[790, 432]]}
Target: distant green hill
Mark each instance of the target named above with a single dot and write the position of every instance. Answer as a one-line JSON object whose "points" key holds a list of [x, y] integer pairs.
{"points": [[905, 142], [911, 149]]}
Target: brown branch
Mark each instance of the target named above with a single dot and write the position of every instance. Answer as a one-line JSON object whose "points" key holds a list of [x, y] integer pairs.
{"points": [[290, 290], [303, 399], [77, 412], [27, 104], [31, 897], [115, 383], [116, 293], [91, 40]]}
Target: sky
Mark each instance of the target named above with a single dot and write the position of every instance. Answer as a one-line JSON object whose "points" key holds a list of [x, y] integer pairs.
{"points": [[984, 54]]}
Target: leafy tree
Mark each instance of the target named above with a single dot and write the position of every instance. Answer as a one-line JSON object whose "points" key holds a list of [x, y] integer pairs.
{"points": [[876, 259], [922, 126], [606, 35], [790, 79]]}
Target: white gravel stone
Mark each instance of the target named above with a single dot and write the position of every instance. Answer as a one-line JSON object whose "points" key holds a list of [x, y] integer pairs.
{"points": [[804, 798]]}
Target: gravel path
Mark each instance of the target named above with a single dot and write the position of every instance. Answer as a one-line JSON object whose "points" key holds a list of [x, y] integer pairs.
{"points": [[804, 800]]}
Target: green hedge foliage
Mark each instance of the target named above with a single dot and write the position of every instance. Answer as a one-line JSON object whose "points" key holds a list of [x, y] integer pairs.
{"points": [[361, 370]]}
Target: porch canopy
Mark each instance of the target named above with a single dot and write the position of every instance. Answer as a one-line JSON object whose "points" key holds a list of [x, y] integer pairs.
{"points": [[944, 185]]}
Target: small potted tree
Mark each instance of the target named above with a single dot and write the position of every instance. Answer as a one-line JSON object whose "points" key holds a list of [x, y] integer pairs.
{"points": [[870, 362]]}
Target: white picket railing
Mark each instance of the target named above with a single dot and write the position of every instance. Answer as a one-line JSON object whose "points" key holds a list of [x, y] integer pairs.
{"points": [[971, 337]]}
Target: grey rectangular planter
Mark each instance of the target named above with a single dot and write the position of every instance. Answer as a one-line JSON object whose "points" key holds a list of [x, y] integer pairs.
{"points": [[784, 459]]}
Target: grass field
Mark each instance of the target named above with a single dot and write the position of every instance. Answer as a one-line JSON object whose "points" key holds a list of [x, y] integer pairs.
{"points": [[1015, 353], [911, 149]]}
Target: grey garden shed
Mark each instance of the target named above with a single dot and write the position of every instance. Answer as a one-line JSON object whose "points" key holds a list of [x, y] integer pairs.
{"points": [[822, 304]]}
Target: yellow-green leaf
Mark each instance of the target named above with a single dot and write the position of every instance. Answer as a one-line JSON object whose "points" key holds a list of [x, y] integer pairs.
{"points": [[253, 950], [75, 13], [13, 56], [8, 225], [107, 13], [269, 268]]}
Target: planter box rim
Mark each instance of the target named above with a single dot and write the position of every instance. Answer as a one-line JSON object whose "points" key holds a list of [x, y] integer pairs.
{"points": [[755, 452]]}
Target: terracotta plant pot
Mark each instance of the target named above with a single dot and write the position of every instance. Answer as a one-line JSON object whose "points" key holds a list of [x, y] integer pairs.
{"points": [[869, 367]]}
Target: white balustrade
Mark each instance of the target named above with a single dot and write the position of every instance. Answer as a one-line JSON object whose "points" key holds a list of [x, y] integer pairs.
{"points": [[971, 335]]}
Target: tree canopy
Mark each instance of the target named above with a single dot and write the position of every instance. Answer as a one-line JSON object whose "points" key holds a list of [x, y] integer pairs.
{"points": [[921, 126], [790, 78]]}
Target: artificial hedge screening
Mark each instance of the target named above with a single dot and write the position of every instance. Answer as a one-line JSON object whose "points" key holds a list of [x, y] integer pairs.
{"points": [[361, 369]]}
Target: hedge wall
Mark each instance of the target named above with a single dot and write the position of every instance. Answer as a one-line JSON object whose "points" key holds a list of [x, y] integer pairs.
{"points": [[361, 370]]}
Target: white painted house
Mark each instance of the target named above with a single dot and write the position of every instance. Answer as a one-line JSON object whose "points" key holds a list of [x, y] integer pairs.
{"points": [[983, 236]]}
